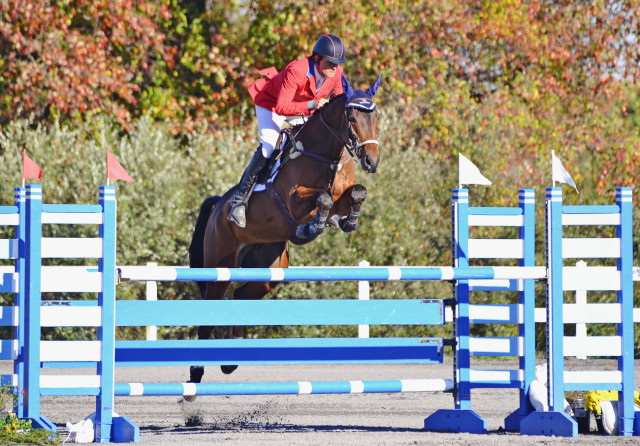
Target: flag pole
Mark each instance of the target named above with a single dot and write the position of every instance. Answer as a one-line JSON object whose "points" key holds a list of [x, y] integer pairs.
{"points": [[107, 158], [553, 179], [459, 177]]}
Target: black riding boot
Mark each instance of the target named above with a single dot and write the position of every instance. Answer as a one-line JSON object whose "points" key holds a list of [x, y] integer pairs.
{"points": [[239, 201]]}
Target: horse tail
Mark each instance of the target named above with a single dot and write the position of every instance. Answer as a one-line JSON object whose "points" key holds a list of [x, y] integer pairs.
{"points": [[196, 248]]}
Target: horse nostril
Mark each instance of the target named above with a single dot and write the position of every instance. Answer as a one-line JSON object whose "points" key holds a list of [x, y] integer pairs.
{"points": [[369, 165]]}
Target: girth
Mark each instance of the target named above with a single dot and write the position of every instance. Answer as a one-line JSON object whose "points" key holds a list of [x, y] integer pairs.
{"points": [[277, 200]]}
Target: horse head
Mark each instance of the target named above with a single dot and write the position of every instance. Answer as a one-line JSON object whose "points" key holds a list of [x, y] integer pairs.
{"points": [[362, 117]]}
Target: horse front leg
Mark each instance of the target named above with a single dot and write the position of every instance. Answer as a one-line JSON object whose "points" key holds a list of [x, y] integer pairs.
{"points": [[309, 231], [357, 195]]}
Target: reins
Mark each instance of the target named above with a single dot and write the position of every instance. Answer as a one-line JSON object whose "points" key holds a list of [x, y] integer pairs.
{"points": [[295, 150], [353, 144]]}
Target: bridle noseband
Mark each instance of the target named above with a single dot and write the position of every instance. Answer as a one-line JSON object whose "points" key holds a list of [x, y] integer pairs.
{"points": [[354, 146]]}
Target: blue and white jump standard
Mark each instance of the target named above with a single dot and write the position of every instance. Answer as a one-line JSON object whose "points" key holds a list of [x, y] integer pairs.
{"points": [[28, 249], [603, 278], [462, 418]]}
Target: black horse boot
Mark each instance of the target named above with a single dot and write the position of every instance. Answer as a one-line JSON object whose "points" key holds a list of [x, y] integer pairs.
{"points": [[239, 201]]}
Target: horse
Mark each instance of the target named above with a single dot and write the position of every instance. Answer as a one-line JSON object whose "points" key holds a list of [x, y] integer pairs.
{"points": [[314, 187]]}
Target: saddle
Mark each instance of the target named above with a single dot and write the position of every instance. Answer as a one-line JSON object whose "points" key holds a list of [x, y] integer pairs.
{"points": [[270, 170]]}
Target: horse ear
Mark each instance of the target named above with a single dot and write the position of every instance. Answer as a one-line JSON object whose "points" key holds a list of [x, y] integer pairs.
{"points": [[371, 91], [346, 88]]}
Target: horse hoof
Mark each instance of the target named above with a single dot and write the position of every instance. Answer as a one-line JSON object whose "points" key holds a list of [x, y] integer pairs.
{"points": [[301, 232], [228, 369], [348, 227], [309, 232], [333, 221], [195, 373]]}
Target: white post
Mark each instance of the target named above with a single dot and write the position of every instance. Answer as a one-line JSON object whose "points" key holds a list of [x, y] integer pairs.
{"points": [[152, 294], [581, 300], [363, 294]]}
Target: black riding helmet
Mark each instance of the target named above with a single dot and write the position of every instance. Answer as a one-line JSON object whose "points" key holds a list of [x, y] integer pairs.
{"points": [[331, 48]]}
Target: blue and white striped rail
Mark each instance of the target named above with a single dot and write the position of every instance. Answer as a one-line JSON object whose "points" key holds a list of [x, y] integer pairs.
{"points": [[374, 273], [285, 388]]}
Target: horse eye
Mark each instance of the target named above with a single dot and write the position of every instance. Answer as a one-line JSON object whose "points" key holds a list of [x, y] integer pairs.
{"points": [[352, 119]]}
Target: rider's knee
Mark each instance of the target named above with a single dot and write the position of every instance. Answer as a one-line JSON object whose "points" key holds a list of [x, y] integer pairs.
{"points": [[267, 150]]}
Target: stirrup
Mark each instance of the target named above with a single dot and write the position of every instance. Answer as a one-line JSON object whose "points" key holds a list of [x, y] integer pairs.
{"points": [[238, 214]]}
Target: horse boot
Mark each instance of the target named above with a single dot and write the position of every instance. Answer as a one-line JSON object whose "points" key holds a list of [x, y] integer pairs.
{"points": [[239, 201], [309, 231]]}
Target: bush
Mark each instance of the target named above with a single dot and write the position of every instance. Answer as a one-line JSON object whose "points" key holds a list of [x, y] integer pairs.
{"points": [[156, 214]]}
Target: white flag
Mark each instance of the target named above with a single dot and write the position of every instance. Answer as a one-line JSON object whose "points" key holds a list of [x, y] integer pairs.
{"points": [[559, 173], [468, 173]]}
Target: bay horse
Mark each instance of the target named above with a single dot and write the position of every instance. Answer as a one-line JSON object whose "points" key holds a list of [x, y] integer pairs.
{"points": [[314, 187]]}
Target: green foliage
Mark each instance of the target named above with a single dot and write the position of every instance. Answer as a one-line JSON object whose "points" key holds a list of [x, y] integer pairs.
{"points": [[191, 61], [9, 422], [14, 430], [24, 434], [7, 399], [75, 59]]}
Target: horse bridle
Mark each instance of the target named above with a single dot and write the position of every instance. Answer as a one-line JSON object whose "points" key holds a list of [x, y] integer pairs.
{"points": [[353, 144]]}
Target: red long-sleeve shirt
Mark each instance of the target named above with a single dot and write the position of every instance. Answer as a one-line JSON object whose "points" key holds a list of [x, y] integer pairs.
{"points": [[288, 93]]}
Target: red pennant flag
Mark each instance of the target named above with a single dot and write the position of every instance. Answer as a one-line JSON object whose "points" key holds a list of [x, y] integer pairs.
{"points": [[29, 168], [115, 171]]}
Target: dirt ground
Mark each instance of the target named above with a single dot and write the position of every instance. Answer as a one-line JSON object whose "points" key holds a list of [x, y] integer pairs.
{"points": [[372, 419]]}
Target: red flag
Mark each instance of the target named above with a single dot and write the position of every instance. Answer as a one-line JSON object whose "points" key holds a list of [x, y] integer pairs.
{"points": [[115, 171], [29, 168]]}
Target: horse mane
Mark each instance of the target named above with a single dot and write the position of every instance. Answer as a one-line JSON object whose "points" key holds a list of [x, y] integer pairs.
{"points": [[333, 99], [296, 128], [313, 117]]}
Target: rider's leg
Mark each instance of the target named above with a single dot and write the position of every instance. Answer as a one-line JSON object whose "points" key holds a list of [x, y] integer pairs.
{"points": [[238, 213], [269, 125]]}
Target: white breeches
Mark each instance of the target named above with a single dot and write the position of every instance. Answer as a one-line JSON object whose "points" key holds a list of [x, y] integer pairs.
{"points": [[269, 125]]}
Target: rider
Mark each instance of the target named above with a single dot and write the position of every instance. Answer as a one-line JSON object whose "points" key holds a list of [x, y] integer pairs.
{"points": [[301, 88]]}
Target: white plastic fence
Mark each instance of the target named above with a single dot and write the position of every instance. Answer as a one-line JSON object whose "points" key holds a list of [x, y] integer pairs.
{"points": [[364, 293]]}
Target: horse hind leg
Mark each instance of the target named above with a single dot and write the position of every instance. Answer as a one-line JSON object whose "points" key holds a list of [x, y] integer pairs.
{"points": [[358, 194], [269, 255], [214, 290]]}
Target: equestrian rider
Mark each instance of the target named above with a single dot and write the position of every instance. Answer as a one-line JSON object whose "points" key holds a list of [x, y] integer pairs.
{"points": [[301, 88]]}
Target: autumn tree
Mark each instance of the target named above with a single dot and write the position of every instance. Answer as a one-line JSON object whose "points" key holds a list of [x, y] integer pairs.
{"points": [[466, 75], [78, 58]]}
